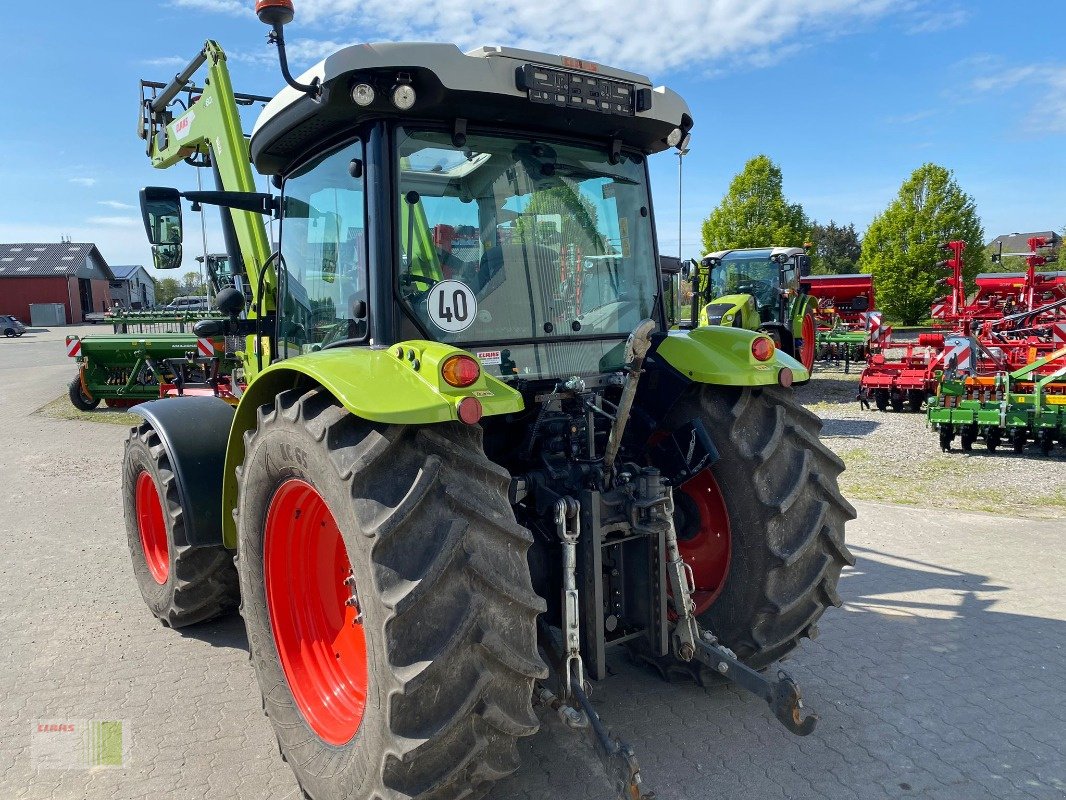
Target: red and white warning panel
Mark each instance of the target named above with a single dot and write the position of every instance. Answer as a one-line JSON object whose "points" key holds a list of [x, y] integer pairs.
{"points": [[73, 346], [206, 348]]}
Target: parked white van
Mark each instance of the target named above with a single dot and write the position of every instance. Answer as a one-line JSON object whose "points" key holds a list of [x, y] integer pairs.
{"points": [[197, 303]]}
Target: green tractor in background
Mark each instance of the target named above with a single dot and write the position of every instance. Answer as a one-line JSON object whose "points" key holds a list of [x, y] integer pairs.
{"points": [[758, 289]]}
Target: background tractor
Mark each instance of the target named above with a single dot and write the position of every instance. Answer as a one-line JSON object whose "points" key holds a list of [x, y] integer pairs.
{"points": [[469, 462], [759, 289]]}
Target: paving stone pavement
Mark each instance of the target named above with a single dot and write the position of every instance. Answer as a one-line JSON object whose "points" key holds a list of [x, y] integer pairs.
{"points": [[941, 678]]}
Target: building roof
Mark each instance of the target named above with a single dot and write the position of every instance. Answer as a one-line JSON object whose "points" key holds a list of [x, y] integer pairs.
{"points": [[1019, 242], [124, 272], [52, 260]]}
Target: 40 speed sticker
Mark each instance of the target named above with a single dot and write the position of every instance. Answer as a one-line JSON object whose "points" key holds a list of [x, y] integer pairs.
{"points": [[452, 306]]}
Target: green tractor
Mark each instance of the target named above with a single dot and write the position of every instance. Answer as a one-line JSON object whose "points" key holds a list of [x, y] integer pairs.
{"points": [[469, 462], [758, 289]]}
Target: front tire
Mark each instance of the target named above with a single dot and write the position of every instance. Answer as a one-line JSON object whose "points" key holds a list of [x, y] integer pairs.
{"points": [[784, 514], [438, 573], [181, 584]]}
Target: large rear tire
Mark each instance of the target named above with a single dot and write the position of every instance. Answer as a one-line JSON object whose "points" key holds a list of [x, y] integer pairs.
{"points": [[414, 532], [784, 515], [180, 583]]}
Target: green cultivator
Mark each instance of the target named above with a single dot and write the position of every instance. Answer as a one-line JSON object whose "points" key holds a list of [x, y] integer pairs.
{"points": [[1019, 407]]}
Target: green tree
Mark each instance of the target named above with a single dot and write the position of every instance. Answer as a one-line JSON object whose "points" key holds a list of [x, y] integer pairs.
{"points": [[166, 289], [755, 213], [901, 246], [577, 215], [191, 283], [836, 248]]}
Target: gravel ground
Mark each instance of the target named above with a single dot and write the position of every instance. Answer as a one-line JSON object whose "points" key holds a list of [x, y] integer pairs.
{"points": [[895, 457]]}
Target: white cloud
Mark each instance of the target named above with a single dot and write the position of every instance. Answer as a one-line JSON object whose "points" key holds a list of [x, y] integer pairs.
{"points": [[935, 20], [651, 36], [86, 182], [114, 222], [234, 7], [166, 61], [115, 204], [1048, 115], [910, 119]]}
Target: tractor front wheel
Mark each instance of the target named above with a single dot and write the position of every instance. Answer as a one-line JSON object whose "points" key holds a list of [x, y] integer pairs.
{"points": [[78, 398], [181, 584], [390, 612], [771, 520]]}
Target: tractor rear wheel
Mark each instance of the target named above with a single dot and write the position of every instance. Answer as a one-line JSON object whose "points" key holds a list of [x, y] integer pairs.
{"points": [[773, 495], [180, 583], [390, 612], [78, 398]]}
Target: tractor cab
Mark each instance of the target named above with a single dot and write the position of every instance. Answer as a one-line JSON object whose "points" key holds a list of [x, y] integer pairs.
{"points": [[502, 197], [759, 289]]}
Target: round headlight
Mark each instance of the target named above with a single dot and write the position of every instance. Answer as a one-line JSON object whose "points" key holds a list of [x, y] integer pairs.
{"points": [[403, 96], [363, 94], [674, 137]]}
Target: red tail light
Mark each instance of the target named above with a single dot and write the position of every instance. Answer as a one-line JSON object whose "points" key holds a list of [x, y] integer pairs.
{"points": [[470, 410], [460, 371], [784, 377]]}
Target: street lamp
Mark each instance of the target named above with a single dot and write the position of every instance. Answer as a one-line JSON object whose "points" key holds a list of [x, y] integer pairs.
{"points": [[681, 153]]}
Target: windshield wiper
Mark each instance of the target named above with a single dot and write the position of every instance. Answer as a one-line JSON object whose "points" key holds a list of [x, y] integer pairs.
{"points": [[571, 171]]}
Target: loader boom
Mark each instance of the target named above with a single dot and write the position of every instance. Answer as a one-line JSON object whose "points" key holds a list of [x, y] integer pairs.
{"points": [[211, 129]]}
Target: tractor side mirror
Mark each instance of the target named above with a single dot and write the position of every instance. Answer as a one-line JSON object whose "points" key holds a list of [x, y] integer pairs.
{"points": [[688, 269], [166, 256], [161, 212], [804, 266]]}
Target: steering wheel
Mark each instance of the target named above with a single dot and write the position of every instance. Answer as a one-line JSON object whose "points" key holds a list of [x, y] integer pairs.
{"points": [[762, 291]]}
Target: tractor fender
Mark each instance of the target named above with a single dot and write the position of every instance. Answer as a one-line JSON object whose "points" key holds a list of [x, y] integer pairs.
{"points": [[194, 431], [722, 356], [400, 384], [803, 305]]}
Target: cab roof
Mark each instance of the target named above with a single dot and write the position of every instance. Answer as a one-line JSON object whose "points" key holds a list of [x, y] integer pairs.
{"points": [[770, 252], [490, 86]]}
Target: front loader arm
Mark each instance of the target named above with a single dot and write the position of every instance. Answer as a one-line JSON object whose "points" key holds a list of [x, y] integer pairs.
{"points": [[211, 125]]}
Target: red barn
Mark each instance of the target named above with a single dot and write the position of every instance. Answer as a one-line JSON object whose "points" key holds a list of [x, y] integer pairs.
{"points": [[75, 275]]}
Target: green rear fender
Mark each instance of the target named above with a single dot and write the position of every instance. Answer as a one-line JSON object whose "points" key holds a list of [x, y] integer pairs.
{"points": [[401, 385], [722, 356]]}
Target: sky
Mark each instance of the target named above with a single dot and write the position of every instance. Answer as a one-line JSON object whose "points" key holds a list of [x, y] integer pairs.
{"points": [[848, 97]]}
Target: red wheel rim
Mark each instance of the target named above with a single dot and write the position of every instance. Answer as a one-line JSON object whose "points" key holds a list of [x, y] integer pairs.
{"points": [[321, 645], [809, 336], [153, 528], [704, 537]]}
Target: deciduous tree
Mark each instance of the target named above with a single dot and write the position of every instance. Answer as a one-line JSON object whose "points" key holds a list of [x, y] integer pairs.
{"points": [[901, 246], [755, 213]]}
